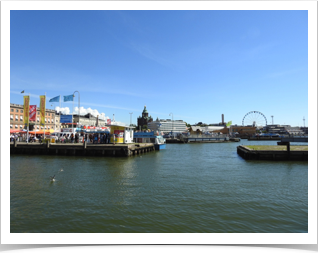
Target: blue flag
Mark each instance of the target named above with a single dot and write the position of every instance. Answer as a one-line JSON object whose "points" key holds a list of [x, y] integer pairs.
{"points": [[56, 99], [68, 98]]}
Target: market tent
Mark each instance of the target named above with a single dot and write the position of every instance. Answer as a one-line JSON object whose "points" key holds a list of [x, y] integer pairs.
{"points": [[16, 131], [39, 132]]}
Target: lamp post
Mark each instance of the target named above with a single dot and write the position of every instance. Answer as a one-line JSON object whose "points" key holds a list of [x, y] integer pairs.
{"points": [[130, 117], [171, 114], [28, 121], [54, 119], [78, 106]]}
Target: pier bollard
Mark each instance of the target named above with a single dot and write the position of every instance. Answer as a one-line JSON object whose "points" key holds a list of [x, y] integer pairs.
{"points": [[15, 143], [47, 144], [84, 144], [288, 150]]}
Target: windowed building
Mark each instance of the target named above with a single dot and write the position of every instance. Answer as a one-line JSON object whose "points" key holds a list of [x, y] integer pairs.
{"points": [[167, 126], [17, 118]]}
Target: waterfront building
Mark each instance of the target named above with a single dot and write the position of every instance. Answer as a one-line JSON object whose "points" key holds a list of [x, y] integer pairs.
{"points": [[83, 120], [286, 129], [243, 130], [17, 119], [121, 134], [144, 119], [195, 129], [168, 126], [276, 129], [295, 131], [88, 120], [304, 129]]}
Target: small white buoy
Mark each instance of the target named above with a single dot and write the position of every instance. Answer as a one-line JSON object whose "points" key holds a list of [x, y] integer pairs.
{"points": [[53, 178]]}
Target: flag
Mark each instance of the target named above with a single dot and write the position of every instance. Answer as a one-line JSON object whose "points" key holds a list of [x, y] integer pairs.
{"points": [[42, 110], [55, 99], [68, 98], [32, 112], [229, 123], [26, 109]]}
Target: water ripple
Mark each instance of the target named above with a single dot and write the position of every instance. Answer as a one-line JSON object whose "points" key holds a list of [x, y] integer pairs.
{"points": [[201, 188]]}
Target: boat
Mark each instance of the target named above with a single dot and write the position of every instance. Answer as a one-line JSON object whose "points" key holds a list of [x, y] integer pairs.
{"points": [[151, 137]]}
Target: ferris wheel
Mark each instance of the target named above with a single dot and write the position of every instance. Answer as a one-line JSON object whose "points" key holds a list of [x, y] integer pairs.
{"points": [[254, 118]]}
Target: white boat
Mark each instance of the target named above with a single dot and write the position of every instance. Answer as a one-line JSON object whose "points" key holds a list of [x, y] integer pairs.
{"points": [[150, 137]]}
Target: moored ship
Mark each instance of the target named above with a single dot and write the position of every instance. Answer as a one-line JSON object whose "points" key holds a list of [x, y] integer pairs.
{"points": [[151, 137]]}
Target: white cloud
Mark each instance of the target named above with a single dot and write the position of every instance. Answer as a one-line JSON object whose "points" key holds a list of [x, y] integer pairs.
{"points": [[83, 111], [64, 110]]}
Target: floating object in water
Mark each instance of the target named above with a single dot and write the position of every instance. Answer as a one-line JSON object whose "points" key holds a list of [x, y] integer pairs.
{"points": [[53, 178], [61, 170]]}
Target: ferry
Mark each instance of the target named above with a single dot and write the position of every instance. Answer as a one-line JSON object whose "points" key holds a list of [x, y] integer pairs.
{"points": [[151, 137]]}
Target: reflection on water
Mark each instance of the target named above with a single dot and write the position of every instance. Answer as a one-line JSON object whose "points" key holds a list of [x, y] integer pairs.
{"points": [[185, 188]]}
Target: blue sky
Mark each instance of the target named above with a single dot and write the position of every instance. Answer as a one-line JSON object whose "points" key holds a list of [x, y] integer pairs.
{"points": [[196, 65]]}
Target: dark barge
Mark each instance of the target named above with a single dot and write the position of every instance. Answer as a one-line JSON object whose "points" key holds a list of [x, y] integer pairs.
{"points": [[273, 155]]}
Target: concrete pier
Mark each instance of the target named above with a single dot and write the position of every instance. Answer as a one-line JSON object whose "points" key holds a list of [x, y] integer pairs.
{"points": [[274, 155], [81, 149], [202, 139]]}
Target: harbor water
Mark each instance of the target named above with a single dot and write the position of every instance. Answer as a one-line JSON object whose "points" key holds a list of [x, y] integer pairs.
{"points": [[186, 188]]}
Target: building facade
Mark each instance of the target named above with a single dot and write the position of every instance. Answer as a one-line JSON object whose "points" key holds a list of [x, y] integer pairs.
{"points": [[243, 130], [195, 129], [88, 120], [167, 126], [286, 129], [17, 119], [144, 119]]}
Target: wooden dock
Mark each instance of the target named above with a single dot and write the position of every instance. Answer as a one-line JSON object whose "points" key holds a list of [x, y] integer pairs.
{"points": [[81, 149]]}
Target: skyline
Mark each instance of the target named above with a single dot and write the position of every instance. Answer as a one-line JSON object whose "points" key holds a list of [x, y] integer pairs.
{"points": [[196, 65], [41, 69]]}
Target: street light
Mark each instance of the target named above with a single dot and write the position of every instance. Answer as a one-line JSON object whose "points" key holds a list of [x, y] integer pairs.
{"points": [[78, 106], [54, 119]]}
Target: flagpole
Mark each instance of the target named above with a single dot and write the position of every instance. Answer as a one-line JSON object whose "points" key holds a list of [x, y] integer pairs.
{"points": [[44, 115], [60, 113], [28, 121], [73, 114], [54, 119], [79, 106]]}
